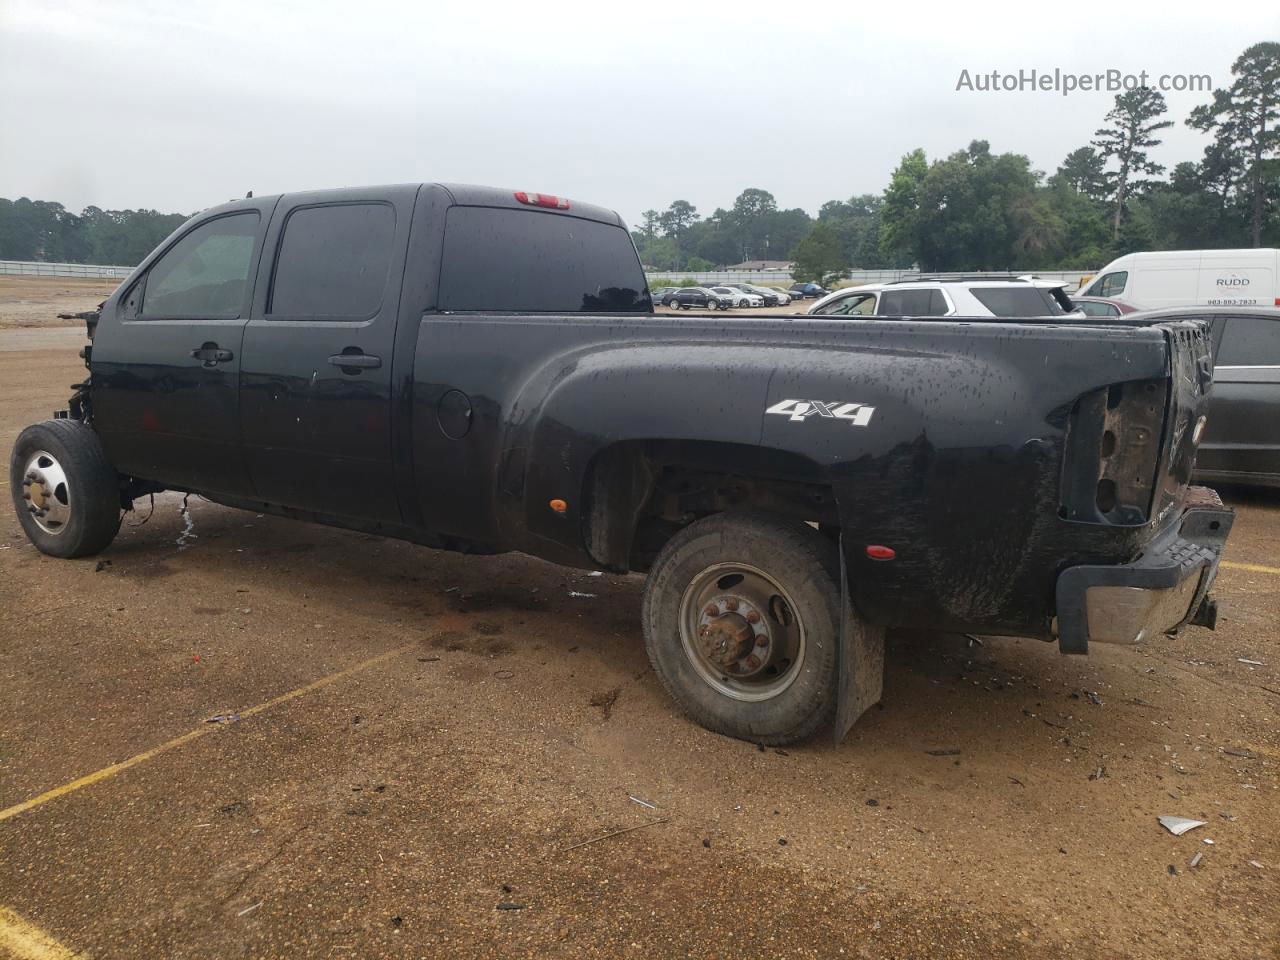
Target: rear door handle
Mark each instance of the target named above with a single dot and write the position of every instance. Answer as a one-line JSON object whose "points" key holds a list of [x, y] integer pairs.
{"points": [[210, 354], [360, 360]]}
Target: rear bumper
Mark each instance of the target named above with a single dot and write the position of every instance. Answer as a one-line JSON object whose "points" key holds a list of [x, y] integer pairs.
{"points": [[1161, 591]]}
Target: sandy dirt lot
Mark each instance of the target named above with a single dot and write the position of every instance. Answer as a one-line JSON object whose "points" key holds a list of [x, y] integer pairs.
{"points": [[423, 739], [37, 301]]}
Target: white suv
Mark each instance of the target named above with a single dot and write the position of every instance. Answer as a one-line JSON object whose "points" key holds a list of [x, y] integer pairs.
{"points": [[1028, 297]]}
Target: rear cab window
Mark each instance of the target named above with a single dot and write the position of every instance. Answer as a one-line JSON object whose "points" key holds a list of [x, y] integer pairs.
{"points": [[526, 261]]}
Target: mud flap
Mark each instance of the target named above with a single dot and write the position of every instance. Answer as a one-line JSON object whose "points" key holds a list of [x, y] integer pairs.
{"points": [[859, 661]]}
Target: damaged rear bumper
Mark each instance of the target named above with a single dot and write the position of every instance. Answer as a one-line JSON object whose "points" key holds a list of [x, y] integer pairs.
{"points": [[1161, 591]]}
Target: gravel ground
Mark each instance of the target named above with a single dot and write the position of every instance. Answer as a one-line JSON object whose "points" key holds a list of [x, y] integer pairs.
{"points": [[426, 804]]}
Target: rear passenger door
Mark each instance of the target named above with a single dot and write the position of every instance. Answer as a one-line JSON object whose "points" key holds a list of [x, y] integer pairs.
{"points": [[316, 375]]}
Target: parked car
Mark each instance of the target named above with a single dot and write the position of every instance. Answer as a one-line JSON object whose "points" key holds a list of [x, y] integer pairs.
{"points": [[658, 293], [1241, 442], [807, 290], [687, 297], [1177, 278], [786, 295], [771, 297], [977, 296], [348, 357], [737, 297], [1102, 306]]}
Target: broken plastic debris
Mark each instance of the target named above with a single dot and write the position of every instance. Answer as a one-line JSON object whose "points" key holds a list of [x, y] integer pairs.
{"points": [[1195, 861], [1255, 863], [223, 718], [588, 596], [1179, 825], [249, 909], [643, 803], [1252, 663], [596, 573]]}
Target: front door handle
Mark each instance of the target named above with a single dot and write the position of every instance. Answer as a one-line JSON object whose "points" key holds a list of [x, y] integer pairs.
{"points": [[362, 361], [210, 354]]}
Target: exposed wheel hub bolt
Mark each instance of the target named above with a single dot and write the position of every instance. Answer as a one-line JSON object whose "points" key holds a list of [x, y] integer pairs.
{"points": [[728, 639]]}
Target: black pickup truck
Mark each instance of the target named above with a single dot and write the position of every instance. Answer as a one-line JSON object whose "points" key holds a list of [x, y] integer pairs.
{"points": [[481, 370]]}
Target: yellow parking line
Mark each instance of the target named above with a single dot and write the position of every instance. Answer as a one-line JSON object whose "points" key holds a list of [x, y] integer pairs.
{"points": [[26, 941], [1251, 567], [133, 761]]}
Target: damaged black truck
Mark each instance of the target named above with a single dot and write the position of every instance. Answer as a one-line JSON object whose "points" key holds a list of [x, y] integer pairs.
{"points": [[481, 370]]}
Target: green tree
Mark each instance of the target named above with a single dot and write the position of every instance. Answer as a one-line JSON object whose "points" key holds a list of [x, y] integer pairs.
{"points": [[678, 218], [1128, 138], [818, 257], [1243, 119], [901, 206], [651, 223], [1084, 170]]}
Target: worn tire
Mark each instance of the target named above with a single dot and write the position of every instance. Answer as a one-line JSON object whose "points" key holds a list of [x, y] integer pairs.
{"points": [[800, 560], [92, 488]]}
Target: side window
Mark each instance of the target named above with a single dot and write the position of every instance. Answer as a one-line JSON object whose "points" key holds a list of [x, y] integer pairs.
{"points": [[1112, 284], [938, 305], [1092, 308], [1016, 301], [1250, 342], [854, 305], [907, 303], [524, 261], [203, 275], [332, 262]]}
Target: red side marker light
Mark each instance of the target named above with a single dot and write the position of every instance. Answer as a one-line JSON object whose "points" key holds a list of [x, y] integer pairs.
{"points": [[559, 506], [542, 200], [878, 551]]}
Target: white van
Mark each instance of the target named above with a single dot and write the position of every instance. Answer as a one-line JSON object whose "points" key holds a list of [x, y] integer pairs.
{"points": [[1180, 278]]}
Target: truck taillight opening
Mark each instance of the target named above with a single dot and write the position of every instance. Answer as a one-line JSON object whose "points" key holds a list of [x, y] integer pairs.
{"points": [[542, 200], [1113, 453]]}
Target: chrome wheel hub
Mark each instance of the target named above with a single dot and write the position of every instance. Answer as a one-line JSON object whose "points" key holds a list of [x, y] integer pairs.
{"points": [[45, 490], [740, 631]]}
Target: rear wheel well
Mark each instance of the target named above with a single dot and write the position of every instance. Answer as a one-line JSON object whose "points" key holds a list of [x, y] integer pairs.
{"points": [[639, 493]]}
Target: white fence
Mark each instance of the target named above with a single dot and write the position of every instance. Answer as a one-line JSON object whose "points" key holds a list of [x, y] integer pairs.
{"points": [[31, 268], [1071, 278]]}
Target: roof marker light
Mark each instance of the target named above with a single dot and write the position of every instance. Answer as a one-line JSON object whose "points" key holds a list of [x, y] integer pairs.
{"points": [[542, 200], [877, 551]]}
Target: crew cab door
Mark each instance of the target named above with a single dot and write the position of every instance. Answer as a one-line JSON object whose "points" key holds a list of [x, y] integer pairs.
{"points": [[167, 353], [316, 378]]}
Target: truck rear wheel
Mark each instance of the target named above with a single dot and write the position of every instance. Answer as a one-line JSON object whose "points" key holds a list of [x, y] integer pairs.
{"points": [[64, 489], [741, 619]]}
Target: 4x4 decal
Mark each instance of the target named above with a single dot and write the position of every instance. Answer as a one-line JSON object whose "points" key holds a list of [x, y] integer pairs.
{"points": [[857, 414]]}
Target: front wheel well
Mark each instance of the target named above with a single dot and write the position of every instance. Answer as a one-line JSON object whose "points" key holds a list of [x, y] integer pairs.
{"points": [[640, 493]]}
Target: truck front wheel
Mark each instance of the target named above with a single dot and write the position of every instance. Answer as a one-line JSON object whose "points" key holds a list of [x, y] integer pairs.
{"points": [[741, 619], [64, 489]]}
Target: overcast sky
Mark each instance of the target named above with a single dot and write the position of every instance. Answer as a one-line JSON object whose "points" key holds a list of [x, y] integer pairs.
{"points": [[178, 105]]}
